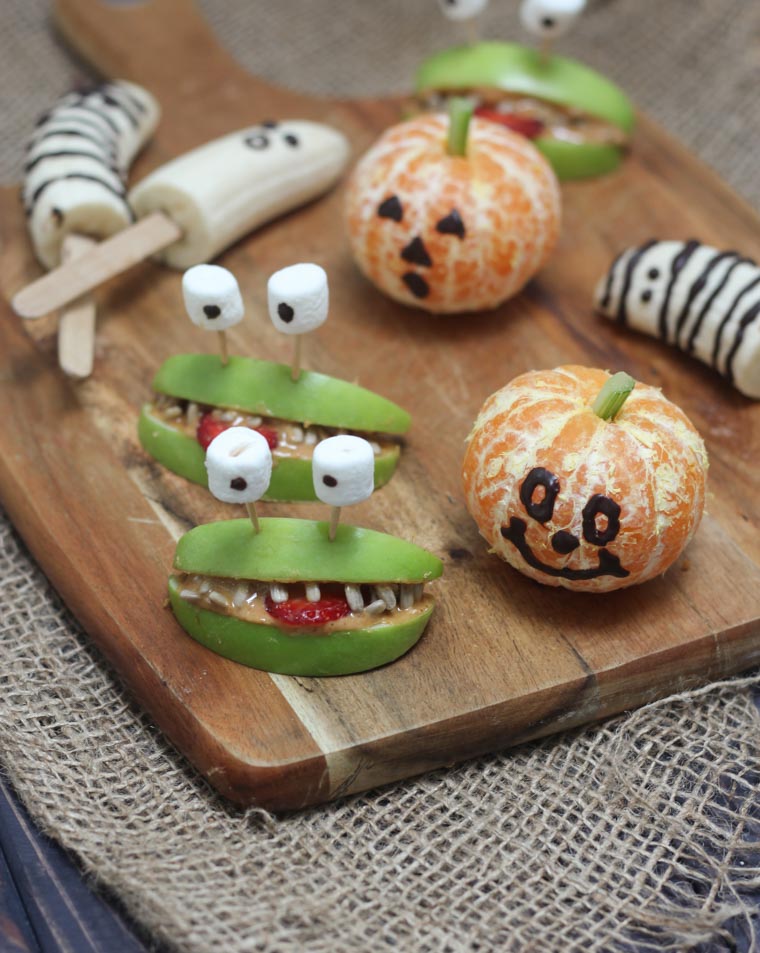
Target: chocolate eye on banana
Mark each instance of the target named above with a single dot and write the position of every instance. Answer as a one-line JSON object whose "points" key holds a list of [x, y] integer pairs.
{"points": [[299, 597], [198, 396]]}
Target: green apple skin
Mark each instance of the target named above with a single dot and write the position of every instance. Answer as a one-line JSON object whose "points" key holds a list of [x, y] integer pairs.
{"points": [[292, 550], [564, 82], [291, 478], [296, 550], [267, 389]]}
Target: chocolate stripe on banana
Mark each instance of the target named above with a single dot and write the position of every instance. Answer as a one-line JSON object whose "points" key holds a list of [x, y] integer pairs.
{"points": [[696, 286], [703, 300], [636, 256], [727, 318], [679, 263], [119, 193]]}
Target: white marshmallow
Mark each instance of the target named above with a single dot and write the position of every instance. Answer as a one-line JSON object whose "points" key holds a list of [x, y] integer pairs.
{"points": [[298, 298], [343, 469], [550, 18], [212, 297], [239, 465], [462, 9]]}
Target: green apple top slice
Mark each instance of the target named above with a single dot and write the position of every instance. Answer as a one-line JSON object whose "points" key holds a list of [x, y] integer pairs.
{"points": [[295, 550], [267, 389]]}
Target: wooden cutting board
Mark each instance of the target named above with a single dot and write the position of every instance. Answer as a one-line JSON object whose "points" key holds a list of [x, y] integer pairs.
{"points": [[504, 659]]}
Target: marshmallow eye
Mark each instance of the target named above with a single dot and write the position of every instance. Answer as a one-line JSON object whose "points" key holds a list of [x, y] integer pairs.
{"points": [[343, 470], [462, 9], [212, 297], [298, 298], [239, 465], [550, 18]]}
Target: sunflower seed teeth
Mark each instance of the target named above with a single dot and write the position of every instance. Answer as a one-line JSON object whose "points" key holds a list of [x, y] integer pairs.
{"points": [[217, 598], [313, 593], [310, 438], [278, 593], [354, 598], [254, 422], [387, 594], [406, 597], [240, 595], [228, 415], [296, 434], [171, 413], [189, 595], [376, 608]]}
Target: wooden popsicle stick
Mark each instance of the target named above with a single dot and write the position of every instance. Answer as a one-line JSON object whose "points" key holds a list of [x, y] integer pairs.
{"points": [[105, 260], [76, 329]]}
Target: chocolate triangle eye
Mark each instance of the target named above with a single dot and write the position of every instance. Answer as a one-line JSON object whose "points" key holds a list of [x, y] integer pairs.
{"points": [[416, 253], [285, 312], [212, 310], [391, 208], [452, 224]]}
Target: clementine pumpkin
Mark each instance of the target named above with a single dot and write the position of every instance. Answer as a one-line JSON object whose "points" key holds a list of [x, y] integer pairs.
{"points": [[452, 214], [577, 494]]}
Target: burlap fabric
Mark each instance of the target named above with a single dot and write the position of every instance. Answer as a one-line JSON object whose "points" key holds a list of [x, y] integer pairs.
{"points": [[634, 835]]}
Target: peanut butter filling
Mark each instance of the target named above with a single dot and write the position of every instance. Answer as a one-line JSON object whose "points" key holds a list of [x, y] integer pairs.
{"points": [[245, 599], [294, 440], [559, 122]]}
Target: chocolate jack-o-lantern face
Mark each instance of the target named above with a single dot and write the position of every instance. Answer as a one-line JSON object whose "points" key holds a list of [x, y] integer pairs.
{"points": [[600, 526], [574, 500], [451, 233]]}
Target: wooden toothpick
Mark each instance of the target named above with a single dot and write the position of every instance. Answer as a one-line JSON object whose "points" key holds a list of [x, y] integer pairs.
{"points": [[223, 347], [334, 520], [251, 507], [295, 371]]}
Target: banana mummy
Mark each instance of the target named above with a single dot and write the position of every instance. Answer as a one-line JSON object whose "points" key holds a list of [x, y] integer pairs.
{"points": [[77, 162], [702, 300]]}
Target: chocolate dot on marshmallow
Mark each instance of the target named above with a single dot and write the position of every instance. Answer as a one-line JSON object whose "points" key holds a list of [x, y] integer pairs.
{"points": [[343, 470], [550, 18], [239, 465], [462, 9], [298, 298], [212, 297]]}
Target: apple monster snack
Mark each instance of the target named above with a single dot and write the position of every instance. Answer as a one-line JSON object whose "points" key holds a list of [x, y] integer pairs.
{"points": [[292, 596], [452, 214], [198, 396], [576, 117], [584, 480]]}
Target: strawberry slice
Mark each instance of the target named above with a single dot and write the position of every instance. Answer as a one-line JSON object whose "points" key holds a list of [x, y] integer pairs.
{"points": [[300, 611], [269, 435], [525, 125], [210, 427]]}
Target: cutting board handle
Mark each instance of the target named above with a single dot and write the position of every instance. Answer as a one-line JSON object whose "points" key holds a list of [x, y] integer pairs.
{"points": [[165, 45]]}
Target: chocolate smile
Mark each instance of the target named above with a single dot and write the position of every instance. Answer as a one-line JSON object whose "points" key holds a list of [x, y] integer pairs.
{"points": [[609, 565]]}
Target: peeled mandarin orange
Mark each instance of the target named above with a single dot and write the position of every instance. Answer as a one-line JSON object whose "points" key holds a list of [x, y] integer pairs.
{"points": [[448, 232], [572, 499]]}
